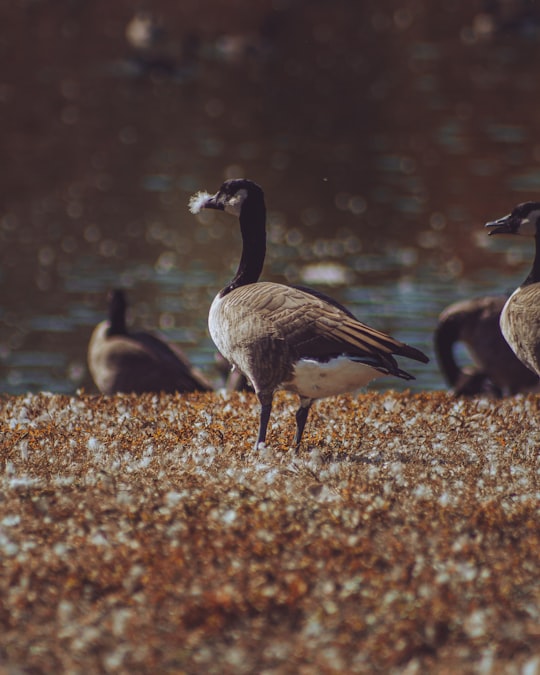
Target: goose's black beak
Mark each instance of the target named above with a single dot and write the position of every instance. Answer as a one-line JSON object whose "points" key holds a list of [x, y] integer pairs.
{"points": [[213, 203], [506, 225]]}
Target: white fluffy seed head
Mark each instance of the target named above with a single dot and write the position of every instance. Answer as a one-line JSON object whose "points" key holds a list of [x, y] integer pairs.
{"points": [[197, 201]]}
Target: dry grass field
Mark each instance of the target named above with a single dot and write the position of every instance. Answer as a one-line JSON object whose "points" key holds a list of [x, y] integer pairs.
{"points": [[144, 535]]}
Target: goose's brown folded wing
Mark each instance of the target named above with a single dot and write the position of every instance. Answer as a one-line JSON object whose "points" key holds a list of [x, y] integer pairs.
{"points": [[172, 364], [316, 328]]}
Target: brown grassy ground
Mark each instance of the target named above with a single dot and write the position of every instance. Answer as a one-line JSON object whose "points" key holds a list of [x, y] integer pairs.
{"points": [[144, 535]]}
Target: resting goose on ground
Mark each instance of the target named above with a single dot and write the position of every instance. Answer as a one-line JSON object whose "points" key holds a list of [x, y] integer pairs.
{"points": [[475, 323], [520, 317], [289, 337], [137, 362]]}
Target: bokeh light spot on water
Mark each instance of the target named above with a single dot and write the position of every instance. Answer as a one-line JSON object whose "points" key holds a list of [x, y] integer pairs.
{"points": [[311, 216], [356, 204], [46, 255], [74, 209], [166, 321], [166, 261], [294, 237], [429, 239], [104, 182], [92, 233], [108, 248], [437, 221], [403, 18], [325, 273]]}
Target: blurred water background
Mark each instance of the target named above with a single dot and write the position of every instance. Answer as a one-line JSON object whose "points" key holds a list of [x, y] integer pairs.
{"points": [[383, 134]]}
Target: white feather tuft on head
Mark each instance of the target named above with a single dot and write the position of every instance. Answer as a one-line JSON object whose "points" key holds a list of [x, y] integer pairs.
{"points": [[196, 203]]}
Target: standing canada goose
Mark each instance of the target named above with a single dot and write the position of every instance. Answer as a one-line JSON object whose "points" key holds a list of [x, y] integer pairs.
{"points": [[289, 337], [475, 323], [520, 317], [137, 362]]}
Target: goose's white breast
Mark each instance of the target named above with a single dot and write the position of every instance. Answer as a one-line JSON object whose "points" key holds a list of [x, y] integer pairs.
{"points": [[504, 320], [312, 379], [221, 326], [215, 326]]}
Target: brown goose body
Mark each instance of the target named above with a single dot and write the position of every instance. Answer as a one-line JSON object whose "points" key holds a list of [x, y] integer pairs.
{"points": [[139, 362], [520, 323], [290, 337], [520, 317], [475, 323], [282, 336]]}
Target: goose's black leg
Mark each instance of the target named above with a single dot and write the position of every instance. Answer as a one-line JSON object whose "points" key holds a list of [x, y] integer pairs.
{"points": [[301, 419], [264, 417]]}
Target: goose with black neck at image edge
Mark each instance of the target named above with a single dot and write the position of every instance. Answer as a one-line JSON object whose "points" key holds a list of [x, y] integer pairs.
{"points": [[120, 361], [474, 323], [289, 337], [520, 317]]}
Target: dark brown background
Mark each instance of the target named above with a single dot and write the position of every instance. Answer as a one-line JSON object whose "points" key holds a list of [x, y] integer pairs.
{"points": [[384, 138]]}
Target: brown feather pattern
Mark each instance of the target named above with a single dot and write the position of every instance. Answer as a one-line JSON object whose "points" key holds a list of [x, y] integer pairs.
{"points": [[312, 327]]}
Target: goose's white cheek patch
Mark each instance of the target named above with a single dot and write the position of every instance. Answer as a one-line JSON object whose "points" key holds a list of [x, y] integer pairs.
{"points": [[197, 202], [527, 227], [312, 379]]}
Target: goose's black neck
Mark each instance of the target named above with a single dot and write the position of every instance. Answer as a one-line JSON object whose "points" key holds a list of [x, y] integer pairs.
{"points": [[446, 335], [117, 314], [253, 229], [534, 274]]}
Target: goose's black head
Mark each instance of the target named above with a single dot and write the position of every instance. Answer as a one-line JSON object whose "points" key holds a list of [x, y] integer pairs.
{"points": [[245, 200], [234, 196], [524, 220]]}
